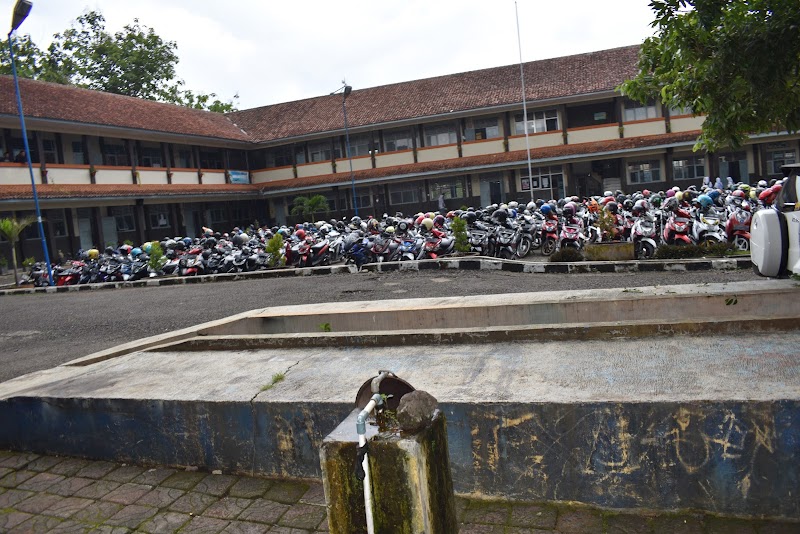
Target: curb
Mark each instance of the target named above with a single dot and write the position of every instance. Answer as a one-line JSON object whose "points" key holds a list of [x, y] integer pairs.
{"points": [[473, 263]]}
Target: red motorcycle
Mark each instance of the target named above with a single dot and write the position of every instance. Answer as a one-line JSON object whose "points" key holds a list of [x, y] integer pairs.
{"points": [[676, 231], [549, 236], [436, 244], [738, 227]]}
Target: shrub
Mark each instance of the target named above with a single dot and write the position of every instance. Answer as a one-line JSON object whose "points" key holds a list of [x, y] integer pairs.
{"points": [[567, 255], [157, 259], [678, 252], [27, 263], [273, 248], [459, 227]]}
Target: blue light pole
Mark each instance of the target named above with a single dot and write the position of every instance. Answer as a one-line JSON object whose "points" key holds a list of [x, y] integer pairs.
{"points": [[345, 94], [21, 10]]}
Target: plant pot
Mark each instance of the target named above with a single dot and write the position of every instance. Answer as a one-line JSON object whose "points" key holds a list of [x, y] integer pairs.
{"points": [[611, 251]]}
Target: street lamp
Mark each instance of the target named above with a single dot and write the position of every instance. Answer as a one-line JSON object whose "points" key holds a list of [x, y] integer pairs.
{"points": [[21, 10], [346, 90]]}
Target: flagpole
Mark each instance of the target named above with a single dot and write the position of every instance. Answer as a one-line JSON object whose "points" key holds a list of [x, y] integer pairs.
{"points": [[525, 108]]}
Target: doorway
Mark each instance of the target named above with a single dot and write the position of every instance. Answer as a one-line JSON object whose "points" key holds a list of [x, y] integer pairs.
{"points": [[492, 189]]}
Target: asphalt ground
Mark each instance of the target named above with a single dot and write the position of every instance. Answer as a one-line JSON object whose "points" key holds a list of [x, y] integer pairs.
{"points": [[41, 331]]}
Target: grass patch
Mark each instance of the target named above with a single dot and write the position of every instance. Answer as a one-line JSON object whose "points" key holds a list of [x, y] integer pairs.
{"points": [[276, 378]]}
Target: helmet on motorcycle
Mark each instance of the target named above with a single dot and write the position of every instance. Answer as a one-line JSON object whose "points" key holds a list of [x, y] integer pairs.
{"points": [[656, 200], [531, 206], [147, 247], [319, 224], [427, 222], [628, 204], [593, 206], [670, 193], [418, 221], [171, 254], [136, 252], [179, 245], [125, 249], [240, 239], [569, 210], [608, 194], [439, 221], [301, 234], [539, 202], [513, 205], [500, 216], [389, 230], [646, 193], [451, 214], [606, 200], [746, 206], [187, 241], [612, 207], [373, 225], [93, 253], [206, 254], [738, 194], [546, 209], [356, 221], [109, 251], [762, 183], [469, 217], [402, 227]]}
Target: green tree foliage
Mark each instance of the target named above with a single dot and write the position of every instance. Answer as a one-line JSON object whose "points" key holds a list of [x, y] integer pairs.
{"points": [[274, 249], [307, 207], [133, 62], [459, 227], [735, 61], [11, 229], [157, 258]]}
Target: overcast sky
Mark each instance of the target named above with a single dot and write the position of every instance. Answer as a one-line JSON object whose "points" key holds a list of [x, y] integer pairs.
{"points": [[271, 51]]}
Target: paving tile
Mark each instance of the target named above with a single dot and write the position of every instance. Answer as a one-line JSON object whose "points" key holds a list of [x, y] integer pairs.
{"points": [[777, 527], [44, 463], [286, 492], [40, 482], [487, 512], [314, 495], [96, 469], [10, 519], [161, 497], [205, 525], [579, 521], [97, 512], [11, 497], [627, 524], [164, 522], [153, 477], [69, 467], [677, 525], [38, 503], [533, 516], [227, 508], [131, 516], [4, 471], [98, 489], [184, 480], [125, 473], [194, 503], [68, 507], [17, 460], [15, 478], [108, 529], [264, 511], [71, 527], [249, 487], [245, 527], [69, 486], [475, 528], [36, 525], [127, 493], [215, 484], [288, 530], [307, 516]]}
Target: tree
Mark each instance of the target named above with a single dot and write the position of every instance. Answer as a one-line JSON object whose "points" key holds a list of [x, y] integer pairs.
{"points": [[307, 207], [11, 229], [133, 62], [735, 61]]}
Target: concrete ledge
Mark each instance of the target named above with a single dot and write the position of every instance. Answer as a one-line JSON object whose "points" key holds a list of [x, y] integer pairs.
{"points": [[469, 263]]}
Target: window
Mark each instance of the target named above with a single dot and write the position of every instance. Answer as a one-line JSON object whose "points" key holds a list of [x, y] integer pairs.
{"points": [[217, 216], [57, 222], [300, 154], [452, 188], [538, 121], [123, 215], [116, 155], [359, 145], [542, 177], [636, 111], [441, 134], [211, 159], [478, 129], [279, 157], [78, 157], [778, 154], [644, 171], [50, 151], [363, 198], [688, 168], [320, 151], [677, 112], [151, 157], [183, 158], [158, 216], [407, 193], [395, 140]]}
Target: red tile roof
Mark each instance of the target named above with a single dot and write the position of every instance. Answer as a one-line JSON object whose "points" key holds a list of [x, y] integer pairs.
{"points": [[66, 103], [66, 191], [454, 165], [546, 79]]}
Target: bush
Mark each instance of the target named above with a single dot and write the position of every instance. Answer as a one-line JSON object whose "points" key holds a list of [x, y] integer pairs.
{"points": [[157, 259], [28, 263], [459, 227], [678, 252], [273, 248], [567, 255]]}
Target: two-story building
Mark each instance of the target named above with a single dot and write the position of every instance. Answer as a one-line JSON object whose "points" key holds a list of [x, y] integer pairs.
{"points": [[110, 168]]}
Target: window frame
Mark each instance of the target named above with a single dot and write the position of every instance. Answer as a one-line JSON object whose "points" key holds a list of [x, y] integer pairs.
{"points": [[436, 131], [640, 171], [539, 121], [633, 110], [393, 136], [692, 162]]}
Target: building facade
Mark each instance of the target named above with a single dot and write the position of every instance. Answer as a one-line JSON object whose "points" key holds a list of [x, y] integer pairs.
{"points": [[110, 168]]}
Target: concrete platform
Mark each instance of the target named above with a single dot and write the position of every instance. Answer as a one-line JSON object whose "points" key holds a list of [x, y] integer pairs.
{"points": [[665, 422]]}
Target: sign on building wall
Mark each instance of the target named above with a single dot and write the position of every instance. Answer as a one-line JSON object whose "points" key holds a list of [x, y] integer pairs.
{"points": [[239, 177]]}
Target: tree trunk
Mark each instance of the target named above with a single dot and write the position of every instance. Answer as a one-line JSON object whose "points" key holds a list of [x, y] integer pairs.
{"points": [[14, 261]]}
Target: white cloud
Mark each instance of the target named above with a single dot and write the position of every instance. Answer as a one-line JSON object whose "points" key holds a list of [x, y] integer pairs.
{"points": [[276, 51]]}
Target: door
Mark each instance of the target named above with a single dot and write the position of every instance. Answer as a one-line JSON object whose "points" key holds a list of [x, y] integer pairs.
{"points": [[85, 233], [495, 192], [110, 232], [491, 190]]}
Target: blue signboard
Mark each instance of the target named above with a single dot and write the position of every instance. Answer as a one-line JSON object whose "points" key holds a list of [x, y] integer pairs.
{"points": [[239, 177]]}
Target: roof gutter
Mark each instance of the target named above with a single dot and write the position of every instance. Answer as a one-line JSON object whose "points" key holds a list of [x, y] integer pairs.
{"points": [[491, 167], [255, 194]]}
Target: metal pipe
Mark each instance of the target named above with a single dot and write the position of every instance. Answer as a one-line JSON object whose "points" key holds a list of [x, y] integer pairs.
{"points": [[525, 108], [361, 428]]}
